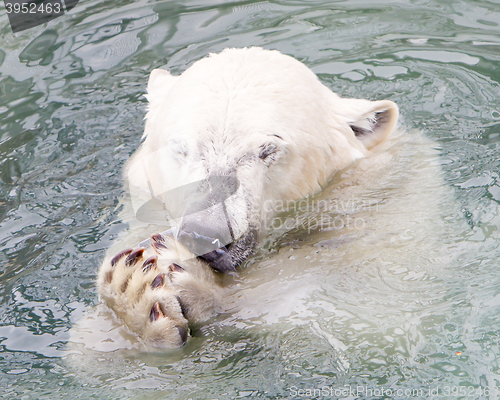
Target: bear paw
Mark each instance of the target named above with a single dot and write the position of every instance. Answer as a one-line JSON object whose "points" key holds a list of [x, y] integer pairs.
{"points": [[158, 291]]}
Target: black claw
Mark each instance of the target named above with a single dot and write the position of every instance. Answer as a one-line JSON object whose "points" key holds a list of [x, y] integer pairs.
{"points": [[183, 307], [158, 238], [159, 246], [175, 268], [134, 256], [158, 281], [149, 263], [121, 254], [155, 312], [183, 333]]}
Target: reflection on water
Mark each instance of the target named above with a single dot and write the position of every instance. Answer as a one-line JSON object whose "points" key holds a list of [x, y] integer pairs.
{"points": [[398, 306]]}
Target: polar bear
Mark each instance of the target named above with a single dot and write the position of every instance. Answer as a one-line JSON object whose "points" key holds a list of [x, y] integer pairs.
{"points": [[225, 143]]}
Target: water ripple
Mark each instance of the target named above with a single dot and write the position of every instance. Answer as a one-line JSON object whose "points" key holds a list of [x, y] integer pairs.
{"points": [[71, 109]]}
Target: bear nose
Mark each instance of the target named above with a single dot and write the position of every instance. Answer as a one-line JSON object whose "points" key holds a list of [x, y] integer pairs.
{"points": [[205, 211], [203, 215], [208, 244]]}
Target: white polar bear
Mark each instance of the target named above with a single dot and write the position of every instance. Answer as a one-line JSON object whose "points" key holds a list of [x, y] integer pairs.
{"points": [[225, 142]]}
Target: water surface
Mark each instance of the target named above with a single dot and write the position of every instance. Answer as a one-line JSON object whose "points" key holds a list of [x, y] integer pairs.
{"points": [[71, 113]]}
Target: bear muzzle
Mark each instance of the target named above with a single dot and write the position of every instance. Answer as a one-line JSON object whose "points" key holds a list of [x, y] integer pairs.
{"points": [[203, 211]]}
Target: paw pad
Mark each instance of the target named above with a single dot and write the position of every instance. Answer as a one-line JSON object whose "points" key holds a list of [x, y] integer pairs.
{"points": [[154, 293]]}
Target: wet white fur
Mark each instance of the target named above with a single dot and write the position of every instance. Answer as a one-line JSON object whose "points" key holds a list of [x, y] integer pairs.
{"points": [[219, 111]]}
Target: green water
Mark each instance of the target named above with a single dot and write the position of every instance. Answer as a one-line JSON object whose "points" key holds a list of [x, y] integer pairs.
{"points": [[71, 113]]}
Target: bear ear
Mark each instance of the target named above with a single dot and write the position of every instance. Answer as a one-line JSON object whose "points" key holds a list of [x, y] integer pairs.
{"points": [[160, 82], [371, 121]]}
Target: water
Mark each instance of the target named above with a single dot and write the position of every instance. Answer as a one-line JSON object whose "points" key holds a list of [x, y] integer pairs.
{"points": [[412, 304]]}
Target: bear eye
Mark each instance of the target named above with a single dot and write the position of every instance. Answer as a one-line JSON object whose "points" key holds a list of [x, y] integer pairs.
{"points": [[179, 149], [268, 152]]}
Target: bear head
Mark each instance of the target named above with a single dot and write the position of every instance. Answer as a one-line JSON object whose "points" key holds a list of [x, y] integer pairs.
{"points": [[235, 134]]}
